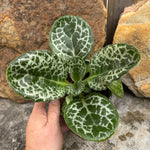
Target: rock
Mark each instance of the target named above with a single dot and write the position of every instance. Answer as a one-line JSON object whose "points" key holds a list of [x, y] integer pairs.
{"points": [[133, 132], [134, 29], [25, 26]]}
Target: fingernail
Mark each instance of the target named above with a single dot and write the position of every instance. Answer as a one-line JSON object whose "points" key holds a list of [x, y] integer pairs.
{"points": [[55, 102]]}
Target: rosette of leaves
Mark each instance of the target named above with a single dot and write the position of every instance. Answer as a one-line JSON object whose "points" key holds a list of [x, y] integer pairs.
{"points": [[45, 76]]}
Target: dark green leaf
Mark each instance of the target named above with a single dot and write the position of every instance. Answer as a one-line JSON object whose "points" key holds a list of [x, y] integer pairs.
{"points": [[93, 118], [116, 88], [76, 68], [75, 88], [110, 63], [71, 36], [38, 75], [87, 89]]}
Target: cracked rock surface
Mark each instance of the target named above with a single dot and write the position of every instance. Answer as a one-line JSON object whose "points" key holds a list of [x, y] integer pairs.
{"points": [[133, 132]]}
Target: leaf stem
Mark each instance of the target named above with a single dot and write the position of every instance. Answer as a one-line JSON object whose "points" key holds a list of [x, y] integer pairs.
{"points": [[65, 83], [89, 78]]}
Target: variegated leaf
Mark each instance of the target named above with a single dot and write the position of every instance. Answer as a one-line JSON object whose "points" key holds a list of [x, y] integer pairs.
{"points": [[110, 63], [71, 36], [93, 118], [75, 88], [87, 89], [76, 68], [38, 75]]}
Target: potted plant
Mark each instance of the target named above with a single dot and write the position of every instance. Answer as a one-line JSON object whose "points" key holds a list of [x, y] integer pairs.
{"points": [[66, 72]]}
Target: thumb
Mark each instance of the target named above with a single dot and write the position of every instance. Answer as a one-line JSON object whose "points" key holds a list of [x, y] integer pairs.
{"points": [[54, 112]]}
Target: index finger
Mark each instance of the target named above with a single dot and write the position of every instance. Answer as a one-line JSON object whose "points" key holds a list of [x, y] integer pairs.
{"points": [[39, 112]]}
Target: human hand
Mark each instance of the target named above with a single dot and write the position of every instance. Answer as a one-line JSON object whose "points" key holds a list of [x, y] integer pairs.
{"points": [[43, 130]]}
